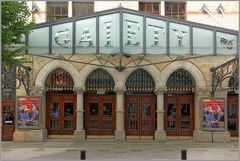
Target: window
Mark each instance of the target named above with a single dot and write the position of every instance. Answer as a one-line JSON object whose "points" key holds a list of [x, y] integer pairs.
{"points": [[149, 7], [57, 10], [175, 10], [82, 8]]}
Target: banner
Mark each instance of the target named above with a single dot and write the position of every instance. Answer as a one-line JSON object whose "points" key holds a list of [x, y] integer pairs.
{"points": [[28, 112], [213, 113]]}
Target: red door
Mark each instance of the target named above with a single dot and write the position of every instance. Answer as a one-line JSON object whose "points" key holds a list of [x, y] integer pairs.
{"points": [[61, 114], [8, 120], [100, 114], [140, 115], [233, 112], [179, 111]]}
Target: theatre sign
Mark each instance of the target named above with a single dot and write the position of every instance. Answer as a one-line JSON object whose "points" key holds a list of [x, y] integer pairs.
{"points": [[126, 31]]}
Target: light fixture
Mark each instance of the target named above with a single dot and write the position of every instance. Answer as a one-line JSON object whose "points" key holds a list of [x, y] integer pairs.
{"points": [[35, 8]]}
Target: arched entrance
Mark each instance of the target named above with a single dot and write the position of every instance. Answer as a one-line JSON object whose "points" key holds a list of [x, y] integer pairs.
{"points": [[233, 105], [140, 105], [60, 103], [99, 103], [179, 104]]}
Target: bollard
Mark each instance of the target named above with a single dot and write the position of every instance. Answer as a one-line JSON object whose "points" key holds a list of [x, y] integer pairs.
{"points": [[184, 154], [83, 155]]}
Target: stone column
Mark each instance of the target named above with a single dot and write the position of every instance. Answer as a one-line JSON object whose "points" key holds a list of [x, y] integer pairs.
{"points": [[79, 133], [120, 132], [160, 134]]}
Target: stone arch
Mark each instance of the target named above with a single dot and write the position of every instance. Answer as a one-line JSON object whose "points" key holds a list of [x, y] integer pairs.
{"points": [[48, 68], [192, 69]]}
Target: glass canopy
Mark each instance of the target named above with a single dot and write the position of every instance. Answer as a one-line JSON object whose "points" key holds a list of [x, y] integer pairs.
{"points": [[125, 31]]}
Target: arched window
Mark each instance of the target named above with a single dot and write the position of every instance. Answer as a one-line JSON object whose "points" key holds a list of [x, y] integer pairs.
{"points": [[180, 80], [59, 80], [99, 79], [140, 80]]}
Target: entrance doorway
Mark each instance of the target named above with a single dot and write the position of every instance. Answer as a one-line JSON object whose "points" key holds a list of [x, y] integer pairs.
{"points": [[179, 113], [140, 115], [100, 114], [233, 114], [60, 114]]}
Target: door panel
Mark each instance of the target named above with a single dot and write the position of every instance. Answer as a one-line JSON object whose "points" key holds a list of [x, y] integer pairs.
{"points": [[100, 115], [179, 120], [61, 114], [233, 115], [8, 121], [140, 115]]}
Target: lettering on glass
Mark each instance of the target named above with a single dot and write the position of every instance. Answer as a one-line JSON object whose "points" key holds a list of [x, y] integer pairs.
{"points": [[157, 30], [180, 35], [86, 39], [62, 39], [132, 29], [108, 26], [225, 43]]}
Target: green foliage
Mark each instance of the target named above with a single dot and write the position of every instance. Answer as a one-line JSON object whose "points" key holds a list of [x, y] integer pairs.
{"points": [[15, 23]]}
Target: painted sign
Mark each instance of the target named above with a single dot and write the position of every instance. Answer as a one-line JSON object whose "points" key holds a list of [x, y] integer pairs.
{"points": [[213, 113], [28, 112]]}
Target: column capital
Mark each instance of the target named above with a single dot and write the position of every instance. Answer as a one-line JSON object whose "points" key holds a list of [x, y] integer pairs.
{"points": [[78, 89], [37, 90], [160, 90], [203, 90], [119, 90]]}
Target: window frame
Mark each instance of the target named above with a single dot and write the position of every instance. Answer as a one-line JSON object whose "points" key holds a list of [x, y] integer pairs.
{"points": [[54, 15], [145, 6], [171, 12]]}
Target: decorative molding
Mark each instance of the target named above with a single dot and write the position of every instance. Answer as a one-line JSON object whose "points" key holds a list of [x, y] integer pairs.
{"points": [[160, 90]]}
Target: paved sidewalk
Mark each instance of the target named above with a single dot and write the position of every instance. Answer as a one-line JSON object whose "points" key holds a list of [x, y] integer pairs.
{"points": [[110, 150]]}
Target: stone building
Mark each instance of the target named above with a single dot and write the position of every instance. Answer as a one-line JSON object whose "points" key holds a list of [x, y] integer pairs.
{"points": [[122, 74]]}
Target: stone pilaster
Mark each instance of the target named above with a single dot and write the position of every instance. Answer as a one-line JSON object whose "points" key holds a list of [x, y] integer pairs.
{"points": [[79, 133], [120, 132], [160, 133]]}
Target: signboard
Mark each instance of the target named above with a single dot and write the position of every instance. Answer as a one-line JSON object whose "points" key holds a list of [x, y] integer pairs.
{"points": [[28, 112], [213, 114]]}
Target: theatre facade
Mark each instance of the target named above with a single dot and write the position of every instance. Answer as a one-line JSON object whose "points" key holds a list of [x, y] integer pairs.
{"points": [[122, 74]]}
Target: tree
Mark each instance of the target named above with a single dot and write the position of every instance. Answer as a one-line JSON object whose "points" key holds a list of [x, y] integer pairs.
{"points": [[15, 24]]}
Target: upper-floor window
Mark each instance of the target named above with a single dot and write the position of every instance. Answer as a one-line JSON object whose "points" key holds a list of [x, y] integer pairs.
{"points": [[57, 10], [175, 10], [82, 8], [152, 7]]}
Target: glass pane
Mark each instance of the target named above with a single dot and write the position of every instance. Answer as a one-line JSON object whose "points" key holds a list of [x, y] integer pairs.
{"points": [[132, 111], [171, 125], [132, 124], [206, 39], [8, 115], [171, 112], [68, 109], [39, 41], [185, 110], [179, 39], [232, 111], [68, 124], [132, 34], [109, 34], [107, 109], [156, 36], [93, 124], [107, 125], [185, 125], [55, 109], [226, 43], [54, 124], [86, 36], [93, 110], [62, 39], [82, 8], [232, 126], [146, 110]]}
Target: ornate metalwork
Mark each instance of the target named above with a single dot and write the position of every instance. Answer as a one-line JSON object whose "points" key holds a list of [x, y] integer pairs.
{"points": [[180, 80], [99, 79], [59, 80], [140, 80], [222, 72]]}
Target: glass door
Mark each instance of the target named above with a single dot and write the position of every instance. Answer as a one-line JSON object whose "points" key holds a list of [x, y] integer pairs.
{"points": [[8, 123], [232, 114]]}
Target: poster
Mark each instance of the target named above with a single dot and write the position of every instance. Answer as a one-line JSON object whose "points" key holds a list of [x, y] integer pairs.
{"points": [[28, 112], [213, 113]]}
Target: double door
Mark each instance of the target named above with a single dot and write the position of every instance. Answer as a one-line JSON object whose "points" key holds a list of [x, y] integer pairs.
{"points": [[233, 115], [61, 114], [179, 111], [140, 115], [100, 114]]}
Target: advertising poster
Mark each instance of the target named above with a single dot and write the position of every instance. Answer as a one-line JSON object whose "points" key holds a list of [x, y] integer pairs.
{"points": [[28, 112], [213, 113]]}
